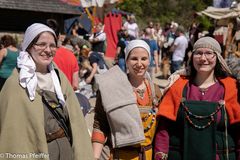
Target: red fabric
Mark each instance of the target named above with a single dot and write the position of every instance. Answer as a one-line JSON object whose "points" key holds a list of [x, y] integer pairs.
{"points": [[169, 106], [98, 136], [67, 62], [161, 139], [219, 38], [72, 2], [96, 20], [113, 23]]}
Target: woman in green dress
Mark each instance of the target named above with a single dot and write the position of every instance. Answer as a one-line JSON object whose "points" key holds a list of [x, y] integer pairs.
{"points": [[200, 112]]}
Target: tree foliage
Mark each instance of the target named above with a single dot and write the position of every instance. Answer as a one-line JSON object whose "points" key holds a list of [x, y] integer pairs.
{"points": [[163, 11]]}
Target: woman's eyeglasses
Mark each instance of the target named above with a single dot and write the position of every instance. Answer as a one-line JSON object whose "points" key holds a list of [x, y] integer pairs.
{"points": [[43, 46], [207, 54]]}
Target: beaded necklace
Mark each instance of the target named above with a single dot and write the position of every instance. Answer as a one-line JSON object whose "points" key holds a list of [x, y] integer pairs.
{"points": [[152, 111], [189, 114]]}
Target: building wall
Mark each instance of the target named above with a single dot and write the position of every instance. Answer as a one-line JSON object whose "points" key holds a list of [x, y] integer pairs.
{"points": [[19, 20]]}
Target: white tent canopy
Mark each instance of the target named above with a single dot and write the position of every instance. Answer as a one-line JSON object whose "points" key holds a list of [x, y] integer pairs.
{"points": [[221, 13]]}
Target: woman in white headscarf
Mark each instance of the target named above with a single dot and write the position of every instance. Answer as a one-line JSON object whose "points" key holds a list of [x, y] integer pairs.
{"points": [[199, 115], [126, 107], [40, 117]]}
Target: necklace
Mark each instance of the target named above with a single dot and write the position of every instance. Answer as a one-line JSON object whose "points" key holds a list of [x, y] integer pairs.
{"points": [[140, 92], [152, 111], [203, 91], [190, 115]]}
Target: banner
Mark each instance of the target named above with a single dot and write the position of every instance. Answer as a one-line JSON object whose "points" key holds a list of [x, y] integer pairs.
{"points": [[90, 3], [72, 2], [97, 3]]}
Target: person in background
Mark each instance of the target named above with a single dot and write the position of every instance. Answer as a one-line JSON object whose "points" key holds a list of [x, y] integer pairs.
{"points": [[8, 58], [165, 49], [201, 104], [1, 44], [179, 47], [126, 107], [67, 62], [96, 61], [127, 36], [123, 39], [74, 30], [171, 36], [39, 111], [65, 59], [154, 62], [120, 56], [98, 39], [159, 37], [210, 33], [131, 26], [152, 28], [67, 43]]}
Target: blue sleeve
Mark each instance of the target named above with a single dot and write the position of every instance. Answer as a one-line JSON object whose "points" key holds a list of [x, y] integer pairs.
{"points": [[155, 46]]}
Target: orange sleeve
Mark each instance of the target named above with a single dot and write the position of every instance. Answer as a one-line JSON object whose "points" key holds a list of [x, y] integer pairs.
{"points": [[98, 136], [170, 103], [100, 125], [231, 99]]}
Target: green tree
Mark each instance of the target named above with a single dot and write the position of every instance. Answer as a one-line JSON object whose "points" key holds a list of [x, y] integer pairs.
{"points": [[180, 11]]}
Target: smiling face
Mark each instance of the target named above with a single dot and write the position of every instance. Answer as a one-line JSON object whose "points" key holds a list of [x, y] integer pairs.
{"points": [[204, 60], [43, 51], [138, 62]]}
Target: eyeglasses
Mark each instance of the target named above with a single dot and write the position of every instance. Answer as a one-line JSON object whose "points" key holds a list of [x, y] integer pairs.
{"points": [[207, 54], [43, 46]]}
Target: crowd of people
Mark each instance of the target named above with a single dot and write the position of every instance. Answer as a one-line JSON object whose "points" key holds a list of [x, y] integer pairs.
{"points": [[195, 117]]}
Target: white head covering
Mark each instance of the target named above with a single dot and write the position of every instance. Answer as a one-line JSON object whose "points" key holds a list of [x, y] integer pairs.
{"points": [[32, 32], [135, 44], [27, 75]]}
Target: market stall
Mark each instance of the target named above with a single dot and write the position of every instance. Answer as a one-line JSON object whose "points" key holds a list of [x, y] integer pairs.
{"points": [[228, 28]]}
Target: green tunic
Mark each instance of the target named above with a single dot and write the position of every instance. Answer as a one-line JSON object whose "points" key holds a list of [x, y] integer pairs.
{"points": [[203, 138]]}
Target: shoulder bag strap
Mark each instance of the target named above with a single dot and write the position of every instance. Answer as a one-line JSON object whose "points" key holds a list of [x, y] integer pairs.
{"points": [[60, 119]]}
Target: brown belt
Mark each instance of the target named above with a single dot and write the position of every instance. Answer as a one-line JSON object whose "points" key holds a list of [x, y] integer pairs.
{"points": [[52, 136]]}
